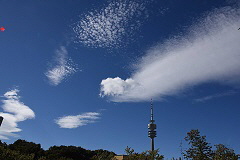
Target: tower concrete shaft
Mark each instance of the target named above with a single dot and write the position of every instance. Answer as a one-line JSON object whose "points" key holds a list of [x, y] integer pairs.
{"points": [[151, 128]]}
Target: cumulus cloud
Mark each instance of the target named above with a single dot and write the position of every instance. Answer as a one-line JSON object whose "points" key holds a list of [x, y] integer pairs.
{"points": [[63, 67], [112, 25], [16, 110], [78, 120], [116, 86], [210, 52]]}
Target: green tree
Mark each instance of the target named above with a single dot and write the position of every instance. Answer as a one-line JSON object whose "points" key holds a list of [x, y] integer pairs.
{"points": [[71, 152], [25, 147], [224, 153], [103, 155], [8, 154], [147, 155], [200, 149], [3, 144]]}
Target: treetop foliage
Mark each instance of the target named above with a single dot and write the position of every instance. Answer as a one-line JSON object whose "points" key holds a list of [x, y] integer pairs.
{"points": [[147, 155], [199, 149], [23, 150]]}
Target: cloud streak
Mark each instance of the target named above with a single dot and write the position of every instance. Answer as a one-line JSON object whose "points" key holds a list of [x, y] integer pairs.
{"points": [[78, 120], [17, 112], [62, 68], [219, 95], [112, 25], [210, 52]]}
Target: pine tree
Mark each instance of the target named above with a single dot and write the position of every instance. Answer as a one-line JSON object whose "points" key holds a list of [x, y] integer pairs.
{"points": [[200, 149], [224, 153]]}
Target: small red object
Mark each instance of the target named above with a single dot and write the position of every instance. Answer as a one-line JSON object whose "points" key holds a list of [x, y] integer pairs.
{"points": [[2, 29]]}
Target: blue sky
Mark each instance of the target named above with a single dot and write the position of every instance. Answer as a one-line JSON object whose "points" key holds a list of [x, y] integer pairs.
{"points": [[83, 72]]}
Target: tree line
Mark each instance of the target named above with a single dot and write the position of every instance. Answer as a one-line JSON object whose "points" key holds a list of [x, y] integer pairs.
{"points": [[23, 150], [199, 149]]}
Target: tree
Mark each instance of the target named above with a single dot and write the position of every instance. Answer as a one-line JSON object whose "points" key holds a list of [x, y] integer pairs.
{"points": [[147, 155], [8, 154], [23, 150], [3, 144], [103, 155], [200, 149], [25, 147], [224, 153], [70, 152]]}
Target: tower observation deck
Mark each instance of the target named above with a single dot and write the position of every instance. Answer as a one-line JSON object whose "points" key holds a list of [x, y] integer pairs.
{"points": [[151, 128]]}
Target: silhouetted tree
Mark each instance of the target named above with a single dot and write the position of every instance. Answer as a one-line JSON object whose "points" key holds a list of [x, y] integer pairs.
{"points": [[103, 155], [25, 147], [71, 152], [3, 144], [200, 149], [224, 153], [23, 150], [8, 154], [147, 155]]}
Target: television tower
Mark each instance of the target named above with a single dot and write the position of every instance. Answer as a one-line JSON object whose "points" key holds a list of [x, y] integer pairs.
{"points": [[1, 119], [151, 128]]}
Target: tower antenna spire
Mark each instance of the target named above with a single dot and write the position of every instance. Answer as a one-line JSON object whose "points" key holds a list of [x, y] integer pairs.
{"points": [[151, 128], [152, 111]]}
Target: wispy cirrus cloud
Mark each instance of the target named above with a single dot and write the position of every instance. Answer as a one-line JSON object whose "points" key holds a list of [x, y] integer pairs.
{"points": [[213, 96], [112, 25], [210, 52], [63, 67], [15, 111], [77, 120]]}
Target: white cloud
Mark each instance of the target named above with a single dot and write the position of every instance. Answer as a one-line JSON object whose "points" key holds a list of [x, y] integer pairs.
{"points": [[209, 97], [63, 67], [116, 86], [112, 25], [209, 53], [17, 112], [78, 120]]}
